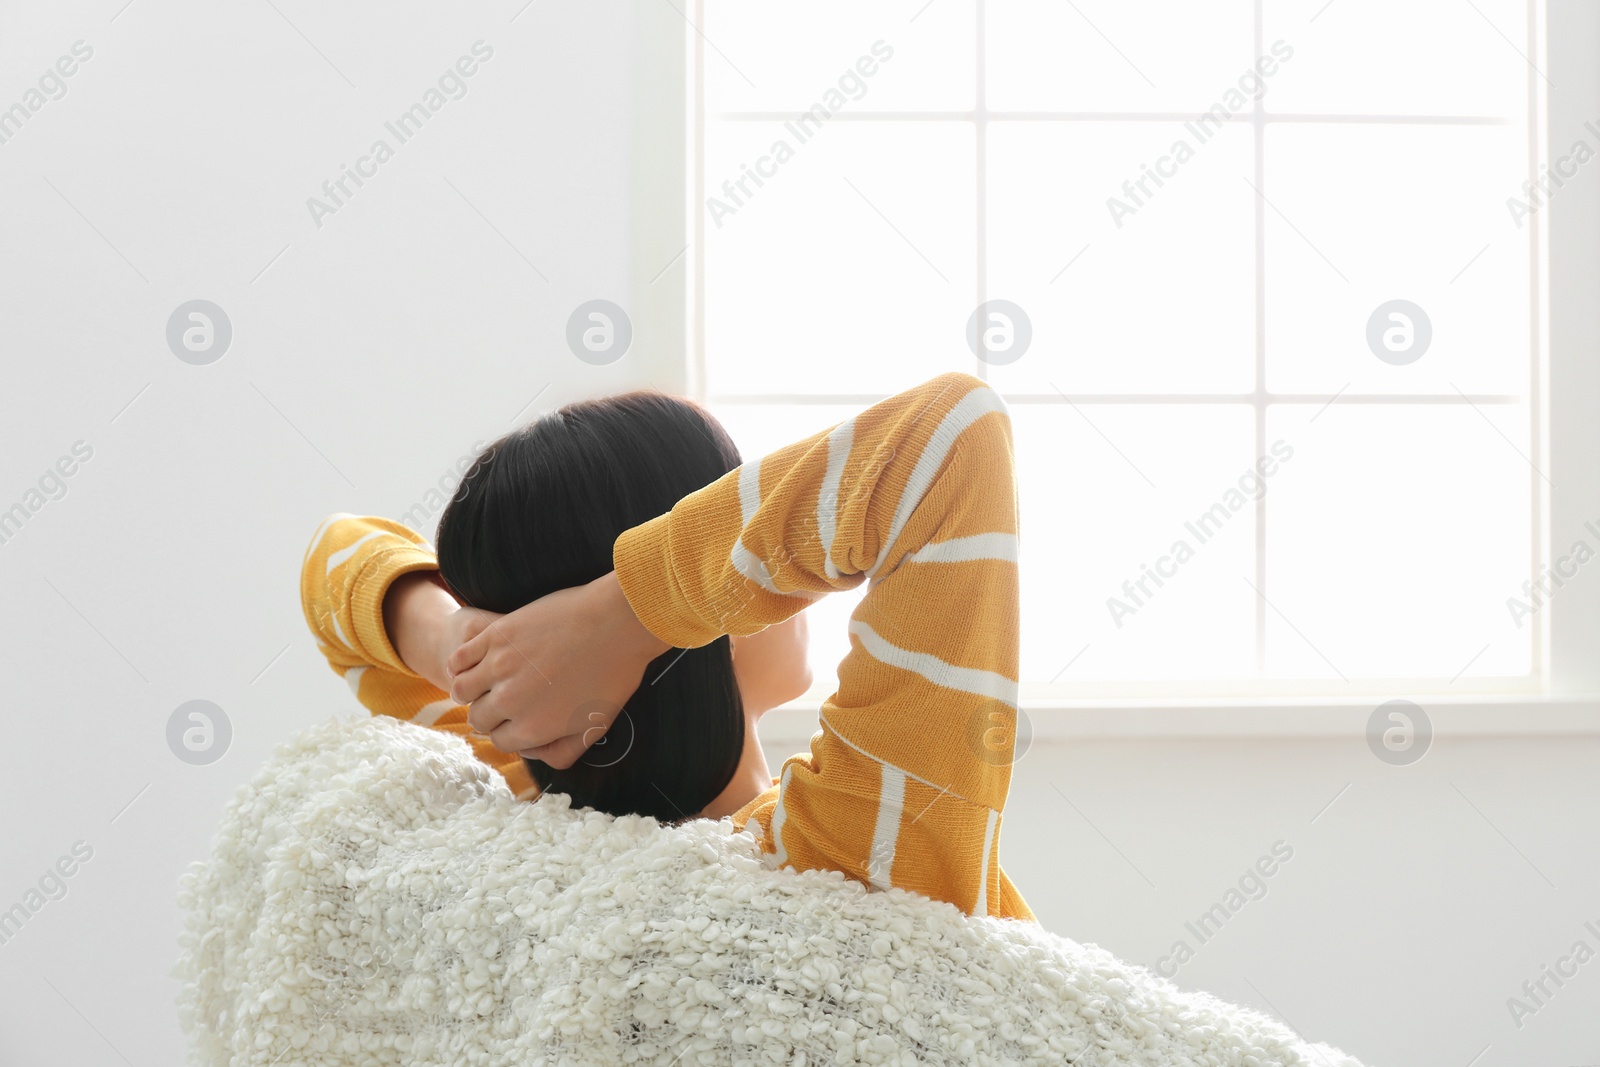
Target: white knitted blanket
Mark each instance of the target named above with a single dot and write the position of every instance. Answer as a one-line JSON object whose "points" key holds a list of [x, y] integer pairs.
{"points": [[377, 896]]}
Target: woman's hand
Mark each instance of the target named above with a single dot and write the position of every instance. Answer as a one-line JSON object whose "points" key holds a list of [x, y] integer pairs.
{"points": [[548, 679], [425, 624]]}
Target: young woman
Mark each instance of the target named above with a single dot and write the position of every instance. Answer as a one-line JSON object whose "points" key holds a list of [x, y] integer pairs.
{"points": [[615, 601]]}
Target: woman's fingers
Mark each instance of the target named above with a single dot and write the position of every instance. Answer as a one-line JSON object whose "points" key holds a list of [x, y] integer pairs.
{"points": [[470, 652], [591, 653], [492, 715], [558, 754], [513, 736], [476, 622], [470, 686], [485, 720]]}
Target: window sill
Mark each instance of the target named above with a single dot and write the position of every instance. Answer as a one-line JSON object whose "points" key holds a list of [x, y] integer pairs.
{"points": [[1452, 716]]}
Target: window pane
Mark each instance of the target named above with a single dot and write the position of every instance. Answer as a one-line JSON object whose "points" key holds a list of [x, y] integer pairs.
{"points": [[1110, 55], [1394, 537], [1421, 57], [762, 428], [765, 57], [852, 269], [1372, 214], [1163, 302], [1091, 521], [1394, 534]]}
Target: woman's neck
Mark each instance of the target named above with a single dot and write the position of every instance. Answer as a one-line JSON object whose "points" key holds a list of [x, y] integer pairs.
{"points": [[750, 779]]}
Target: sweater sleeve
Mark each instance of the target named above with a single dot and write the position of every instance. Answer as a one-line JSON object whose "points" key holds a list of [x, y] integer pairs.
{"points": [[905, 782], [348, 568]]}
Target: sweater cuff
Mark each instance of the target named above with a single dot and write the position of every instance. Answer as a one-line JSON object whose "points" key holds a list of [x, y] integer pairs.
{"points": [[366, 602], [642, 558]]}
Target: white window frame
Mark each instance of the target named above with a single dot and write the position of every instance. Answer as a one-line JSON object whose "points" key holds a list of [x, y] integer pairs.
{"points": [[1562, 692]]}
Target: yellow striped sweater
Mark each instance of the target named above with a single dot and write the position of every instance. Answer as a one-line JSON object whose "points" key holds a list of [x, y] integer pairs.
{"points": [[906, 780]]}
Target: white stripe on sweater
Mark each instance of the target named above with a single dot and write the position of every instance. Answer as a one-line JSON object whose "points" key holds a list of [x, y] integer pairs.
{"points": [[943, 790], [891, 802], [349, 550], [979, 402], [352, 678], [316, 538], [780, 853], [429, 714], [743, 560], [338, 632], [1001, 546], [964, 679], [749, 491], [982, 905], [840, 442]]}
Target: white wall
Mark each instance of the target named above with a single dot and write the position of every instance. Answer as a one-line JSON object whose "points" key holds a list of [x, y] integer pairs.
{"points": [[365, 361], [1401, 924], [369, 356]]}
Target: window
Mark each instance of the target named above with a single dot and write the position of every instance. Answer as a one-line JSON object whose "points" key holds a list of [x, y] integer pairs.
{"points": [[1272, 332]]}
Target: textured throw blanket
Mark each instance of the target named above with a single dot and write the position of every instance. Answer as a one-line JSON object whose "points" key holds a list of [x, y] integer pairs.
{"points": [[377, 896]]}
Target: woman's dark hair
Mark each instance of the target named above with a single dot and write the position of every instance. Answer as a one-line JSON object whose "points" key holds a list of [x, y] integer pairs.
{"points": [[538, 511]]}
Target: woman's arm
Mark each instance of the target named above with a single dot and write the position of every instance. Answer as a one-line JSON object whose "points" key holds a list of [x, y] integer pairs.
{"points": [[417, 615], [771, 667], [370, 592], [905, 784]]}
